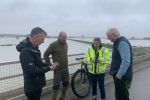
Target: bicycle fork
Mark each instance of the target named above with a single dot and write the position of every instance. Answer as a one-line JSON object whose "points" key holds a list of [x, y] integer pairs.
{"points": [[83, 81]]}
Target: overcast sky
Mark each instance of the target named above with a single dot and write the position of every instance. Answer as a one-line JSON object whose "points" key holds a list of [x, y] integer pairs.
{"points": [[76, 17]]}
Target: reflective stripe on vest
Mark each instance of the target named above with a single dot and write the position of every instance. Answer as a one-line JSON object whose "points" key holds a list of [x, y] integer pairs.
{"points": [[90, 68], [105, 60], [96, 70], [103, 51], [89, 51], [101, 70], [86, 61]]}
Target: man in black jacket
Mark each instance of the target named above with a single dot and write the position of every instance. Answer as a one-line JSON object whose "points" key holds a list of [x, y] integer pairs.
{"points": [[33, 68]]}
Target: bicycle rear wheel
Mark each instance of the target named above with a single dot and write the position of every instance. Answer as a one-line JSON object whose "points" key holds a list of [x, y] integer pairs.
{"points": [[81, 86]]}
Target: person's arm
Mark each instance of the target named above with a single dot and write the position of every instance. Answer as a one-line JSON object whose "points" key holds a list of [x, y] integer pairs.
{"points": [[124, 51], [105, 59], [47, 53], [28, 65], [87, 58], [46, 64]]}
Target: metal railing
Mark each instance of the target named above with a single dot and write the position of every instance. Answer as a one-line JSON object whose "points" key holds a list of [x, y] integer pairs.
{"points": [[11, 77]]}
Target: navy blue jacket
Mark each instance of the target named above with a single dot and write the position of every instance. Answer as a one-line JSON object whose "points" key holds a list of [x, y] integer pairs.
{"points": [[116, 59]]}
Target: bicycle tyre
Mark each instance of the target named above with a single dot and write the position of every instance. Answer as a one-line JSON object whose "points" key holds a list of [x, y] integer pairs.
{"points": [[80, 90]]}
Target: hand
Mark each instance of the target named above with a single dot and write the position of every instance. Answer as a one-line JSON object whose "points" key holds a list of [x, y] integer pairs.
{"points": [[93, 60], [98, 60], [52, 68], [118, 77]]}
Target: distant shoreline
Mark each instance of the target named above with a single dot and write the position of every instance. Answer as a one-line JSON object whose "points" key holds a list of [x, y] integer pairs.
{"points": [[17, 36], [107, 45], [8, 44]]}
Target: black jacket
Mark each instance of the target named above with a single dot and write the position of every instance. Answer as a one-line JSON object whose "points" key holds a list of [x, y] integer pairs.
{"points": [[33, 68]]}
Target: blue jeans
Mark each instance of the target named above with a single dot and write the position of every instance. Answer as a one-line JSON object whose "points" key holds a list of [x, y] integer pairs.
{"points": [[100, 78]]}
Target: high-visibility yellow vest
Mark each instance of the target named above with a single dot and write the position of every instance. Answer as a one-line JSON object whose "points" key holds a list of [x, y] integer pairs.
{"points": [[101, 66]]}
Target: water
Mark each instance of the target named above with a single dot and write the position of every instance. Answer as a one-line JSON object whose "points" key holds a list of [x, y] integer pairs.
{"points": [[9, 53]]}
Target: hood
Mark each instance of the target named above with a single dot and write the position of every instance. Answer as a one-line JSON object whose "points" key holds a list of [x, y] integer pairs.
{"points": [[100, 46], [24, 43]]}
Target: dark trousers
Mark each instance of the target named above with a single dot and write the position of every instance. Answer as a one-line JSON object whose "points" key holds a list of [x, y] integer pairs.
{"points": [[34, 95], [122, 87], [100, 78]]}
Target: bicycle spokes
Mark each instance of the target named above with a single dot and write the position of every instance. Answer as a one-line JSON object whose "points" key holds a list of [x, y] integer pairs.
{"points": [[81, 84]]}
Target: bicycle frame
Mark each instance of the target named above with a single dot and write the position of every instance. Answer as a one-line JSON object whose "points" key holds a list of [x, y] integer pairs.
{"points": [[83, 79], [84, 71]]}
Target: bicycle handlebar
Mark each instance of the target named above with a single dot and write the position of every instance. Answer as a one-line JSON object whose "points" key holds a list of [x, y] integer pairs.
{"points": [[79, 58]]}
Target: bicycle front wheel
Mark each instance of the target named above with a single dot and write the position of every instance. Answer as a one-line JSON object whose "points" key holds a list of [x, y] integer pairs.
{"points": [[81, 83]]}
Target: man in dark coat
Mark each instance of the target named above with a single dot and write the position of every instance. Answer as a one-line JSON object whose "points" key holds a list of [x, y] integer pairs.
{"points": [[33, 68]]}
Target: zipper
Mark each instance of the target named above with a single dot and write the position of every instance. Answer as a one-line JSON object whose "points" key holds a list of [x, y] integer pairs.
{"points": [[37, 76], [95, 62], [65, 54]]}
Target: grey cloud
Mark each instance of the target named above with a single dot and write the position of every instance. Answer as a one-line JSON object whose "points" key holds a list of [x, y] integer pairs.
{"points": [[17, 6], [76, 17]]}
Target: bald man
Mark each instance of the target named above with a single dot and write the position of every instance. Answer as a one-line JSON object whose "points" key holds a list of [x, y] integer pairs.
{"points": [[59, 50], [121, 64]]}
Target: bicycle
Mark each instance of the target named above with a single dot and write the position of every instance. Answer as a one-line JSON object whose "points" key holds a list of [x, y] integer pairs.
{"points": [[81, 82]]}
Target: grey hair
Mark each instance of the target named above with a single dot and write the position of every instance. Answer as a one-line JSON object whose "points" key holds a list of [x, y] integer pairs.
{"points": [[112, 31], [37, 31]]}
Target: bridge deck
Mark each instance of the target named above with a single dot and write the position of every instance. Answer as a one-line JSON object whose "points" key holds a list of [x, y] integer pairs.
{"points": [[140, 87]]}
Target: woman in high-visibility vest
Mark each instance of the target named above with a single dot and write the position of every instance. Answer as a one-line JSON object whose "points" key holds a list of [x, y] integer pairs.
{"points": [[96, 58]]}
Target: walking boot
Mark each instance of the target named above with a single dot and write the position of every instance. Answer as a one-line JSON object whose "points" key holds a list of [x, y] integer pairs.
{"points": [[54, 94], [63, 93]]}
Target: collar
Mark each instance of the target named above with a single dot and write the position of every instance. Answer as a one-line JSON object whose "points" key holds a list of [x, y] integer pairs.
{"points": [[100, 46], [31, 45], [119, 36]]}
